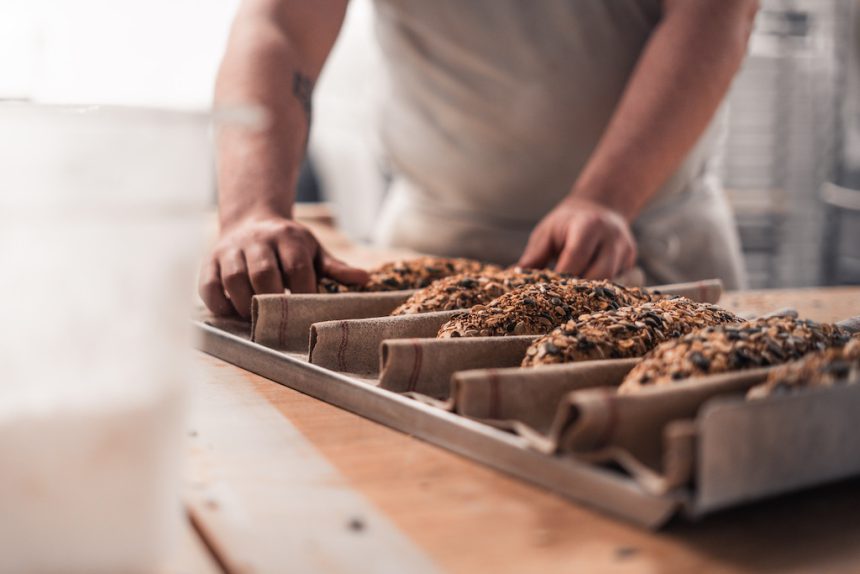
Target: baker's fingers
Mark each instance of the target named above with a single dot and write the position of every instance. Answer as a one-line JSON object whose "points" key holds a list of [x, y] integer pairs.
{"points": [[212, 291], [237, 284], [617, 252], [629, 258], [297, 263], [622, 258], [626, 254], [632, 253], [263, 269], [538, 251], [339, 271], [624, 246], [579, 250], [606, 262]]}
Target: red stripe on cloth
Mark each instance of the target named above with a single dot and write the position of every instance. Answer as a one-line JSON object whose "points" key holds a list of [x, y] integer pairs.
{"points": [[495, 395], [341, 351], [416, 366], [283, 322], [612, 419]]}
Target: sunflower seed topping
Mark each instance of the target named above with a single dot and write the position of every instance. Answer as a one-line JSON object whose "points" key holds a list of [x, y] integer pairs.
{"points": [[410, 274], [626, 332], [836, 365], [758, 343], [539, 308], [465, 290]]}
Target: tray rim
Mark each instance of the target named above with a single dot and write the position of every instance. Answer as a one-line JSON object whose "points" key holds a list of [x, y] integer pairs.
{"points": [[710, 436], [581, 482]]}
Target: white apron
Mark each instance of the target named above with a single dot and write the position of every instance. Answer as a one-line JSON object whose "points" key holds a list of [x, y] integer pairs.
{"points": [[495, 106]]}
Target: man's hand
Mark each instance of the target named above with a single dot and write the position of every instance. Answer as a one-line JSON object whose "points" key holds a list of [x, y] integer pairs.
{"points": [[585, 238], [267, 255], [274, 55], [677, 85]]}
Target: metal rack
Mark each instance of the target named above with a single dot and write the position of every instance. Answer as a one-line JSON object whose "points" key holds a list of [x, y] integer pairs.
{"points": [[784, 138]]}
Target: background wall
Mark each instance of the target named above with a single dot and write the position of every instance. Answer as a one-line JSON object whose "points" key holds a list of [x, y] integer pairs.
{"points": [[156, 53], [166, 53]]}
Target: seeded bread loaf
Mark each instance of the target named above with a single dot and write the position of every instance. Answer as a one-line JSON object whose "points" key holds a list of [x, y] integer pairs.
{"points": [[758, 343], [836, 365], [539, 308], [410, 274], [466, 290], [624, 333]]}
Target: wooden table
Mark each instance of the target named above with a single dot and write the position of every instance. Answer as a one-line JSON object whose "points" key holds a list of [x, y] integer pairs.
{"points": [[281, 482]]}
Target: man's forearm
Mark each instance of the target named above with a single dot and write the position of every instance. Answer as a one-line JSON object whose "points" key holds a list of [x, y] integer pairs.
{"points": [[677, 86], [274, 55], [257, 171], [265, 65]]}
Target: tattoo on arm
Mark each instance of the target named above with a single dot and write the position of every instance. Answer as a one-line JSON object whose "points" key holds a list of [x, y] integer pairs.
{"points": [[303, 88]]}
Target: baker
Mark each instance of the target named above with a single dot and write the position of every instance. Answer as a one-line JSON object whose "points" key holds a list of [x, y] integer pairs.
{"points": [[579, 134]]}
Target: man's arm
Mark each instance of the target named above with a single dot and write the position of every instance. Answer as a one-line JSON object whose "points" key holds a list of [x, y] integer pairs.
{"points": [[274, 56], [681, 77]]}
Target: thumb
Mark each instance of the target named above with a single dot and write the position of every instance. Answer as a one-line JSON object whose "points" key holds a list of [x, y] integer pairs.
{"points": [[340, 271], [538, 251]]}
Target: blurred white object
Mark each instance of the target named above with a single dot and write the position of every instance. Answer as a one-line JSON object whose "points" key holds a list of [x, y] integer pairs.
{"points": [[124, 52], [18, 51], [98, 237]]}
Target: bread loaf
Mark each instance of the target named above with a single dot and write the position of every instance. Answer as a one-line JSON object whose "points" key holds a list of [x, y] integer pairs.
{"points": [[624, 333]]}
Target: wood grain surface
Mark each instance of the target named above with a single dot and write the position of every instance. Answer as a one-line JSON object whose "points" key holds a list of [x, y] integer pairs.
{"points": [[266, 500], [191, 555]]}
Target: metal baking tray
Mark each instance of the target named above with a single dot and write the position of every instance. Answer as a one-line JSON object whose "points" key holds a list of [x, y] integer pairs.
{"points": [[736, 460]]}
